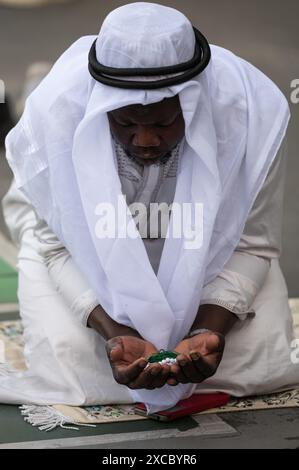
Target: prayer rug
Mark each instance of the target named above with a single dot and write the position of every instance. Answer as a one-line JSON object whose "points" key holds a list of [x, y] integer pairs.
{"points": [[48, 417]]}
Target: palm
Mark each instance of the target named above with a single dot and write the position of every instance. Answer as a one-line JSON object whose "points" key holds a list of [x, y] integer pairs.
{"points": [[131, 349], [198, 359], [128, 359], [206, 344]]}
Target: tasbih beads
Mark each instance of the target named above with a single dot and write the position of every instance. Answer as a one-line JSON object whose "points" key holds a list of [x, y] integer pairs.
{"points": [[162, 357]]}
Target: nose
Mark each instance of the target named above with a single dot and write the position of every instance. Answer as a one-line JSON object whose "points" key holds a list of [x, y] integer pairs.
{"points": [[145, 136]]}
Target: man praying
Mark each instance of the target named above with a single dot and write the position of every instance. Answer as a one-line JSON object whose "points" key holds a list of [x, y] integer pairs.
{"points": [[148, 112]]}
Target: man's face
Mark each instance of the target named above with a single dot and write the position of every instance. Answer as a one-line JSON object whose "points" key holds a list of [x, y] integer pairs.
{"points": [[148, 132]]}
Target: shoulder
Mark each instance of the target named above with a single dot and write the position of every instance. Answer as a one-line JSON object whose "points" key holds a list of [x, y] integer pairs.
{"points": [[234, 75]]}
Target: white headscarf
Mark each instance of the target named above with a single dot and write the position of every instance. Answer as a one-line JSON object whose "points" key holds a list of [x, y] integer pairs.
{"points": [[62, 157]]}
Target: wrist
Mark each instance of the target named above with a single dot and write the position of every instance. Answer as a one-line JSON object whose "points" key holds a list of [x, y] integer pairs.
{"points": [[197, 331], [108, 328], [214, 318]]}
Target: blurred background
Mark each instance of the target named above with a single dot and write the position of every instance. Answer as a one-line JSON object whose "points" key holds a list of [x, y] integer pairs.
{"points": [[33, 33]]}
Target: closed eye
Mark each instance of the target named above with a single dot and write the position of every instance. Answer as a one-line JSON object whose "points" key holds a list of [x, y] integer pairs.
{"points": [[162, 124], [121, 123], [167, 124], [124, 124]]}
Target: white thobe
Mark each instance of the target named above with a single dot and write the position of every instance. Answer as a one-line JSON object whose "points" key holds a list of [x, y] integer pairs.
{"points": [[67, 361]]}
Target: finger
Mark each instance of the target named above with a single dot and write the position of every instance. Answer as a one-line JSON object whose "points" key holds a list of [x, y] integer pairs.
{"points": [[213, 343], [150, 376], [146, 378], [203, 367], [177, 374], [172, 381], [182, 362], [189, 370], [116, 353], [127, 374], [161, 378], [155, 378], [114, 349]]}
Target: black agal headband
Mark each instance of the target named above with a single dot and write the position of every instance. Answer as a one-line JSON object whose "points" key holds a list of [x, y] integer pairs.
{"points": [[112, 76]]}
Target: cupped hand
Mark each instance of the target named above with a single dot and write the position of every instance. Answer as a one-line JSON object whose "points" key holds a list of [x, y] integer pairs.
{"points": [[128, 360], [198, 359]]}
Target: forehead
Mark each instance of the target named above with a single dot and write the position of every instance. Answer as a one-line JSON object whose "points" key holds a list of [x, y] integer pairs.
{"points": [[154, 111]]}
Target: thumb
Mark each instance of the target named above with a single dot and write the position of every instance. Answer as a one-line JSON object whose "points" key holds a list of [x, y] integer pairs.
{"points": [[214, 342], [114, 349], [116, 353]]}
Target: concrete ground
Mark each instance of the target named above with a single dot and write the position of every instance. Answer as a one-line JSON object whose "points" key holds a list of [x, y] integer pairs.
{"points": [[263, 429], [264, 33]]}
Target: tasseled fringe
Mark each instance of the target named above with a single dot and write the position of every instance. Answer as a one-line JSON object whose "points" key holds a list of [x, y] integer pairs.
{"points": [[48, 418]]}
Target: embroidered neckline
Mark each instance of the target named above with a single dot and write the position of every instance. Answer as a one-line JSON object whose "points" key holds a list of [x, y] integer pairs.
{"points": [[131, 168]]}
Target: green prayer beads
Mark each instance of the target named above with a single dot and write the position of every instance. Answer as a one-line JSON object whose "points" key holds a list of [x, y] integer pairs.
{"points": [[163, 357]]}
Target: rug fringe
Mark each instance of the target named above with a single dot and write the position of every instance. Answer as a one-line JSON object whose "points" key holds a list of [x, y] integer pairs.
{"points": [[48, 418]]}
